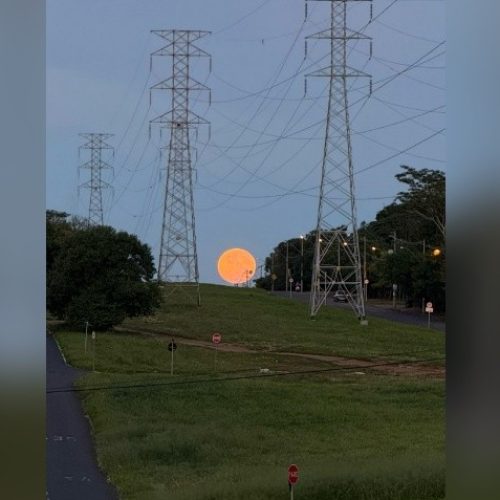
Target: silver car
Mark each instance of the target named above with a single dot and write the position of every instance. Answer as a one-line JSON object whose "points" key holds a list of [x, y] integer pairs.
{"points": [[339, 296]]}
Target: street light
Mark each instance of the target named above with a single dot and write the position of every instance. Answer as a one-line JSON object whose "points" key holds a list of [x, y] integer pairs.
{"points": [[436, 252], [302, 263]]}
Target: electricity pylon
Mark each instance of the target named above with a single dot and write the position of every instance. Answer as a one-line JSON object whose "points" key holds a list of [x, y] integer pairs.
{"points": [[178, 260], [337, 260], [96, 143]]}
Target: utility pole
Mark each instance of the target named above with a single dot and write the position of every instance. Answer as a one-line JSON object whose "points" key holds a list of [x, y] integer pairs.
{"points": [[272, 272], [337, 216], [365, 277], [178, 260], [423, 254], [96, 143], [301, 263], [394, 285], [287, 270]]}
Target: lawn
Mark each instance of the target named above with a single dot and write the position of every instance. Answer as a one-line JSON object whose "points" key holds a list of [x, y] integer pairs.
{"points": [[226, 432], [253, 317]]}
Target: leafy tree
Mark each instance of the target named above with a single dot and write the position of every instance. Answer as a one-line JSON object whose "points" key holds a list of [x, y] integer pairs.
{"points": [[425, 197], [98, 274], [416, 217]]}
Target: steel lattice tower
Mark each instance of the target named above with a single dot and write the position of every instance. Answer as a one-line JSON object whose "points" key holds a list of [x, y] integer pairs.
{"points": [[178, 261], [96, 143], [337, 260]]}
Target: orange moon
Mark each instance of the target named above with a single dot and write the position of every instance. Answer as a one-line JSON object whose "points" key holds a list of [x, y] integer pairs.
{"points": [[236, 266]]}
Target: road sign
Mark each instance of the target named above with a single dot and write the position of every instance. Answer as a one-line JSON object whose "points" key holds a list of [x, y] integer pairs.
{"points": [[366, 282], [429, 304], [291, 280], [216, 338], [172, 346], [293, 474], [429, 310], [274, 277]]}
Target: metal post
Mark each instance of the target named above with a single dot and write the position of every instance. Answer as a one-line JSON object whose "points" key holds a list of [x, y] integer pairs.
{"points": [[215, 358], [86, 335], [172, 359], [365, 286], [394, 285], [423, 298], [272, 272], [93, 350], [301, 264], [286, 268]]}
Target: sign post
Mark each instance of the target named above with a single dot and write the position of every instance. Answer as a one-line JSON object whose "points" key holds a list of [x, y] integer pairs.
{"points": [[429, 310], [216, 339], [86, 334], [172, 347], [93, 350], [291, 283], [293, 477]]}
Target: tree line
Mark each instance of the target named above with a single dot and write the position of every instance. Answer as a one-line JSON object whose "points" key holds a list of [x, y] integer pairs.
{"points": [[96, 274], [404, 245]]}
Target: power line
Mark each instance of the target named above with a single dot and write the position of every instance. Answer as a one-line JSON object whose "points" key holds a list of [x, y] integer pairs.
{"points": [[238, 21], [243, 377]]}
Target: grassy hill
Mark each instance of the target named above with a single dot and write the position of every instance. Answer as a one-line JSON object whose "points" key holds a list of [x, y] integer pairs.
{"points": [[253, 317], [225, 432]]}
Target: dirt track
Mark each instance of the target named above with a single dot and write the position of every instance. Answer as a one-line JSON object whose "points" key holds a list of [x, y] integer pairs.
{"points": [[408, 369]]}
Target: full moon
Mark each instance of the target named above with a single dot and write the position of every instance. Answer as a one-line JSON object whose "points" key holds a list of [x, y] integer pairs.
{"points": [[236, 266]]}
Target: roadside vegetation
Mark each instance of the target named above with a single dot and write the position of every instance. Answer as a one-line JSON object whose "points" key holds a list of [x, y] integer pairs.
{"points": [[228, 429]]}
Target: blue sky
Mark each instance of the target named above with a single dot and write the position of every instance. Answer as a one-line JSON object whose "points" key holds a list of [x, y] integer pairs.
{"points": [[266, 137]]}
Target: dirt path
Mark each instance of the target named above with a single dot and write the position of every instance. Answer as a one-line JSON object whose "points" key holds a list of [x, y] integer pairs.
{"points": [[408, 369]]}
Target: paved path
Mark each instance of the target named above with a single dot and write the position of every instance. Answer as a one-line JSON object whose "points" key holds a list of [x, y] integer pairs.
{"points": [[409, 317], [72, 471]]}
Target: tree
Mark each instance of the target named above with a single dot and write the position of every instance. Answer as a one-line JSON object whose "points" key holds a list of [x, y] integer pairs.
{"points": [[98, 274], [417, 217], [425, 197]]}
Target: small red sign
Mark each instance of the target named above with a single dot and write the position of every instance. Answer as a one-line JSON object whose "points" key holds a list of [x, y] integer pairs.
{"points": [[216, 338], [293, 474], [429, 304]]}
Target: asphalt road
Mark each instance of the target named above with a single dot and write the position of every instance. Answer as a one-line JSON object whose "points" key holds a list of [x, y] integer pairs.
{"points": [[72, 471], [409, 317]]}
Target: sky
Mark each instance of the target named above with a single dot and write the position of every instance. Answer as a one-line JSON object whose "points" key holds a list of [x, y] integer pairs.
{"points": [[257, 170]]}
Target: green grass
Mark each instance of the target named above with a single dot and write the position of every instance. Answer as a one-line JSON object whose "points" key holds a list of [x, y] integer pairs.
{"points": [[199, 436], [205, 440], [255, 318]]}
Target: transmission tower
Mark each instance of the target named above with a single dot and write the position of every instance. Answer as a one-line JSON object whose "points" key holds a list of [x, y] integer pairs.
{"points": [[178, 261], [96, 143], [337, 260]]}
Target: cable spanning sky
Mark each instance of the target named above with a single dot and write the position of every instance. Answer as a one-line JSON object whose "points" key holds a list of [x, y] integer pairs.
{"points": [[258, 172]]}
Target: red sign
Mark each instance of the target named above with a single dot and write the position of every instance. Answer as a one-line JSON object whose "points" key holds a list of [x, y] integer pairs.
{"points": [[429, 304], [293, 474], [216, 338]]}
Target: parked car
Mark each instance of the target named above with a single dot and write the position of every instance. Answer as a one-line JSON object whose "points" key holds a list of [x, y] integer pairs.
{"points": [[339, 296]]}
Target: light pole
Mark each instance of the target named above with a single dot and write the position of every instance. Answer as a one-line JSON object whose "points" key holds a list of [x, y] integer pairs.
{"points": [[301, 263], [394, 285], [423, 298], [286, 268], [365, 284]]}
